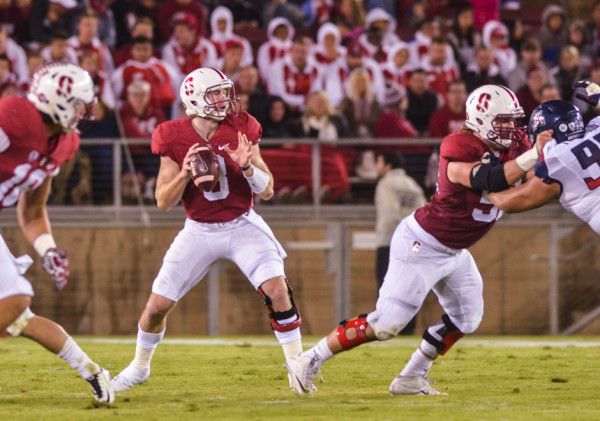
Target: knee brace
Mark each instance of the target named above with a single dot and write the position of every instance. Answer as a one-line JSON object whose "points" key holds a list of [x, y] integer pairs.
{"points": [[351, 333], [282, 321], [442, 335], [18, 326]]}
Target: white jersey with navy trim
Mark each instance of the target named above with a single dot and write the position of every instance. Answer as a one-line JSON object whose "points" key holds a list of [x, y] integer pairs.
{"points": [[575, 165]]}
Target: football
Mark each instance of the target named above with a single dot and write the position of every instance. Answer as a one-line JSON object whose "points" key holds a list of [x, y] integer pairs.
{"points": [[205, 169]]}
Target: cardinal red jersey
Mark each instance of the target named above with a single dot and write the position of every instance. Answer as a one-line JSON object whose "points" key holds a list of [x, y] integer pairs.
{"points": [[27, 156], [456, 215], [232, 196]]}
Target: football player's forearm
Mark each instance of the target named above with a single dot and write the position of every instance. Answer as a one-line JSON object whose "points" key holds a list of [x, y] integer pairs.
{"points": [[168, 194], [513, 172], [31, 211]]}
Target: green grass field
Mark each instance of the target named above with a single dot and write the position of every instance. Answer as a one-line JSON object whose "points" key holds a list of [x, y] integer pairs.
{"points": [[241, 378]]}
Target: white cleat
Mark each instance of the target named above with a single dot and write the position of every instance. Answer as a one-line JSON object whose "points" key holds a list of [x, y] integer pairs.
{"points": [[302, 370], [413, 386], [101, 387], [129, 377]]}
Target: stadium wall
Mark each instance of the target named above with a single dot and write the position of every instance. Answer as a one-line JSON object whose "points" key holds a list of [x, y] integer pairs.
{"points": [[113, 269]]}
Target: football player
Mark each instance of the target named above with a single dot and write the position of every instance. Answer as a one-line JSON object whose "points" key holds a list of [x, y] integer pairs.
{"points": [[220, 223], [37, 135], [428, 250], [569, 168]]}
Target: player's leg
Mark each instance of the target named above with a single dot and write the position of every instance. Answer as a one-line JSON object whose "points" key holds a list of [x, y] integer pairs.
{"points": [[460, 295], [54, 338], [151, 330], [11, 308], [401, 295], [15, 290], [259, 256], [184, 265]]}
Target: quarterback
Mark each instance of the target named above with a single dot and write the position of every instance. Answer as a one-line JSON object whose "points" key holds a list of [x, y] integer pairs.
{"points": [[428, 250], [37, 136], [221, 223]]}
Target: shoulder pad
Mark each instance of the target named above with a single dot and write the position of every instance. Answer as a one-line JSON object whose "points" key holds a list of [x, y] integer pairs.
{"points": [[462, 146]]}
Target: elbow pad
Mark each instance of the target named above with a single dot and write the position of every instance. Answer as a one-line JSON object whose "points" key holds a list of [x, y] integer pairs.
{"points": [[489, 178]]}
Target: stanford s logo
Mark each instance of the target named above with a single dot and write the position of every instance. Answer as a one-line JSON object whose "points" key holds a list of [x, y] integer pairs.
{"points": [[483, 103], [188, 86], [65, 84]]}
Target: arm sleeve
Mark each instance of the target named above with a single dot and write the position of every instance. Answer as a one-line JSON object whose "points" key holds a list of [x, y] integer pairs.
{"points": [[160, 144]]}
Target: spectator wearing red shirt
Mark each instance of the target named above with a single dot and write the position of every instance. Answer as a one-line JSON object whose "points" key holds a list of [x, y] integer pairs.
{"points": [[451, 117], [529, 95], [169, 8], [163, 78], [143, 27], [87, 41], [391, 122], [187, 50], [138, 115]]}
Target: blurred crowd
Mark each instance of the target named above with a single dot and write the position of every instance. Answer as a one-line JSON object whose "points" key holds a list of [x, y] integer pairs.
{"points": [[326, 69]]}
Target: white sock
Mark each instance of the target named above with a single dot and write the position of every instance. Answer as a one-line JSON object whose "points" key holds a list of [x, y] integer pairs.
{"points": [[418, 365], [289, 336], [291, 349], [146, 344], [321, 349], [74, 355]]}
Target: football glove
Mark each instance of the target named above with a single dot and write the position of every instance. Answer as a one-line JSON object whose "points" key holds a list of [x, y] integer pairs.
{"points": [[592, 90], [56, 263]]}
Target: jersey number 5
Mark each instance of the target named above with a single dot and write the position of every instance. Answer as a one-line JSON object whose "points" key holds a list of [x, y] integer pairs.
{"points": [[480, 215], [588, 154]]}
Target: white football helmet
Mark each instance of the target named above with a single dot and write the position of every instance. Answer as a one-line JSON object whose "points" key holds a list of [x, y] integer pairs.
{"points": [[200, 92], [486, 107], [63, 91]]}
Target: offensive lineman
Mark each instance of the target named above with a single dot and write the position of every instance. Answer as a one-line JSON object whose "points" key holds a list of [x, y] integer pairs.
{"points": [[37, 136], [569, 168], [429, 248], [220, 224]]}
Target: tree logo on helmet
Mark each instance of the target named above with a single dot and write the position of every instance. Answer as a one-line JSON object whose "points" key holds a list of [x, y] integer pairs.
{"points": [[483, 103], [188, 86], [65, 84]]}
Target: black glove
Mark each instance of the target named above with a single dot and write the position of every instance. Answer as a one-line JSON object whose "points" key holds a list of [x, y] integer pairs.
{"points": [[56, 263]]}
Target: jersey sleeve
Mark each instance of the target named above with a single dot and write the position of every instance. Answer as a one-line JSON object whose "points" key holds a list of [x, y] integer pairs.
{"points": [[454, 148], [253, 129], [542, 172], [67, 145], [161, 140]]}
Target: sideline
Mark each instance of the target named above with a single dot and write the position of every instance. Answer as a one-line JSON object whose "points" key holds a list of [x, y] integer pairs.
{"points": [[487, 342]]}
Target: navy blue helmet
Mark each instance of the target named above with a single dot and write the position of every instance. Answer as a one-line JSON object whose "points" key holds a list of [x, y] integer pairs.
{"points": [[561, 116]]}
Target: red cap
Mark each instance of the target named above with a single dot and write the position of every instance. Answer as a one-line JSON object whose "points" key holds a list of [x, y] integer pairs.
{"points": [[232, 43], [183, 18], [354, 49], [498, 32]]}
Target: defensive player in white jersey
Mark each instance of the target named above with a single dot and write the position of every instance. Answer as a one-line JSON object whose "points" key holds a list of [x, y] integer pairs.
{"points": [[38, 135], [220, 224], [429, 248], [569, 168]]}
